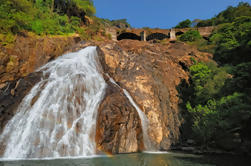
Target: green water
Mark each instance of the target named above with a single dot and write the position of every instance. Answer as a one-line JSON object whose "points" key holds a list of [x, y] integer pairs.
{"points": [[140, 159]]}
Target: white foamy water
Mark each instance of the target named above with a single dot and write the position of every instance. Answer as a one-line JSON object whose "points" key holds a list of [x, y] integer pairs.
{"points": [[58, 117]]}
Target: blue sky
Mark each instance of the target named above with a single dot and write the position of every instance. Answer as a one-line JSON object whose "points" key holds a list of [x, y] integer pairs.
{"points": [[160, 13]]}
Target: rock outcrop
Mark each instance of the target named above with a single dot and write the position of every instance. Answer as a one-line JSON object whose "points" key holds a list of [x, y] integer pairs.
{"points": [[151, 73]]}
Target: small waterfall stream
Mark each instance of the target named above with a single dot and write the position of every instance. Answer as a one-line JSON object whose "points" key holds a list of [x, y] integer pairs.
{"points": [[58, 116], [144, 121]]}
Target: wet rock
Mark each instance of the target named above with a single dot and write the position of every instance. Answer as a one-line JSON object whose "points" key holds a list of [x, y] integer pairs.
{"points": [[118, 127], [12, 94]]}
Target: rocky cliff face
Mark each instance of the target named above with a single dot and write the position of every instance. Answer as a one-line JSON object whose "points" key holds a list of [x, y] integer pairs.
{"points": [[150, 72]]}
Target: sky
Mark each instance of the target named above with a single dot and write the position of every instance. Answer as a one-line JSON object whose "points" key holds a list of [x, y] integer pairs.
{"points": [[160, 13]]}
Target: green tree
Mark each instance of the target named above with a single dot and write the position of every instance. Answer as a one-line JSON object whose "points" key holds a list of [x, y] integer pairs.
{"points": [[217, 98], [207, 81], [184, 24], [228, 15], [233, 41]]}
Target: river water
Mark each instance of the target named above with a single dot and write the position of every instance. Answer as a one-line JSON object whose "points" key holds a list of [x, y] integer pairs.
{"points": [[139, 159]]}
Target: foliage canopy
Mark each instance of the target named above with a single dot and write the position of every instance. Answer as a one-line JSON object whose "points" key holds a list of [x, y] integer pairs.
{"points": [[43, 16], [217, 100], [184, 24]]}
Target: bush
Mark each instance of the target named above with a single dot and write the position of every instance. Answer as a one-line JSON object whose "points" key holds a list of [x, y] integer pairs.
{"points": [[207, 81], [190, 36], [42, 17], [184, 24], [86, 5], [216, 118]]}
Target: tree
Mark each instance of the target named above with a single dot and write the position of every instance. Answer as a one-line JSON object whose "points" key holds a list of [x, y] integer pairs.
{"points": [[184, 24], [233, 41], [228, 15]]}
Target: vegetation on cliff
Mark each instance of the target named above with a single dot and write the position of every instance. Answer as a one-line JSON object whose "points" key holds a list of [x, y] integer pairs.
{"points": [[228, 15], [43, 16], [51, 17], [218, 98], [190, 36]]}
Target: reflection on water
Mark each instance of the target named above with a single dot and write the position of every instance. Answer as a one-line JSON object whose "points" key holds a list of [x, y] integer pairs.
{"points": [[170, 159]]}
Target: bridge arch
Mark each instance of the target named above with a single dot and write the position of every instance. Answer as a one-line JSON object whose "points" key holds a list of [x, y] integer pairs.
{"points": [[158, 36], [128, 35], [179, 33]]}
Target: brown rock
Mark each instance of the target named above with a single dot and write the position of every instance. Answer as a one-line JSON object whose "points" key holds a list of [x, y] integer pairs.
{"points": [[29, 53], [12, 94], [118, 124], [151, 73]]}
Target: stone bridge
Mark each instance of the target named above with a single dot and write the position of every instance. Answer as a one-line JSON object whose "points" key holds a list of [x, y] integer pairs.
{"points": [[158, 34]]}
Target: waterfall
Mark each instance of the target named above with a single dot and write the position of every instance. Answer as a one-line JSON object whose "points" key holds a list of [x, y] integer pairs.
{"points": [[58, 117], [144, 121]]}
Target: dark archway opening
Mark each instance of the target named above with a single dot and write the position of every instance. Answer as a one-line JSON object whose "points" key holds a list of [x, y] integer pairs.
{"points": [[128, 35], [179, 33], [157, 36], [206, 38]]}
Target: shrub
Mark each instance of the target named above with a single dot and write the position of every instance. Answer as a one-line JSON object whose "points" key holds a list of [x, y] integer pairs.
{"points": [[207, 81], [190, 36]]}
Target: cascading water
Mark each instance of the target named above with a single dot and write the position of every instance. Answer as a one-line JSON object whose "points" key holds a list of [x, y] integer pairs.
{"points": [[144, 121], [58, 117]]}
